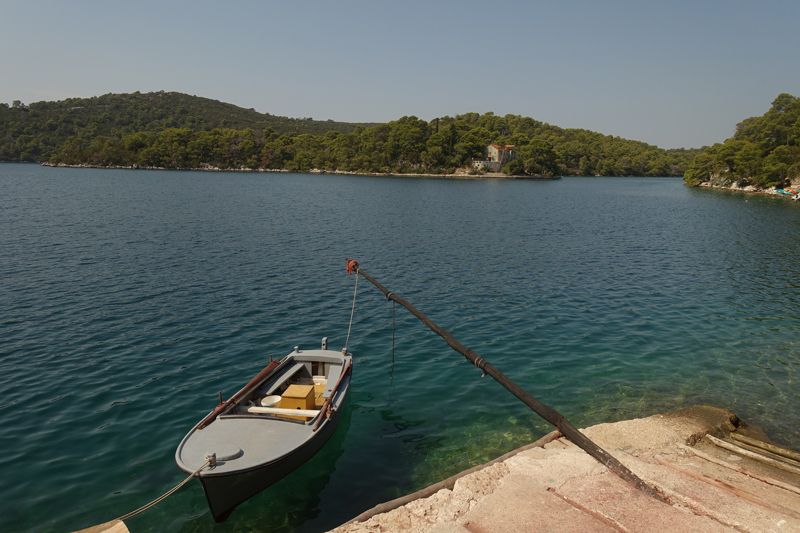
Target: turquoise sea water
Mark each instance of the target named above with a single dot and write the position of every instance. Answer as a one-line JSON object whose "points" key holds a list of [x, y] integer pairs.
{"points": [[130, 298]]}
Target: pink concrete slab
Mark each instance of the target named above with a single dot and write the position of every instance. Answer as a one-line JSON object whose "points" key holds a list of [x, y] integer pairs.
{"points": [[521, 505], [708, 500], [769, 493], [616, 501]]}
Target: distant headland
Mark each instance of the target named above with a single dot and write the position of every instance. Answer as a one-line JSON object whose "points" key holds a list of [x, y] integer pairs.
{"points": [[179, 131]]}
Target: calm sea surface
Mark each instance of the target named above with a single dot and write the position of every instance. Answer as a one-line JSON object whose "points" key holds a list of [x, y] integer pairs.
{"points": [[128, 299]]}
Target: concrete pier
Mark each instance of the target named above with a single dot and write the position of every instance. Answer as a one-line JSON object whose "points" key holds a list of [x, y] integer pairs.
{"points": [[559, 488]]}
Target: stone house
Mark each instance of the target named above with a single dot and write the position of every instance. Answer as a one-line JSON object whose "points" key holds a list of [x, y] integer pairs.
{"points": [[497, 155]]}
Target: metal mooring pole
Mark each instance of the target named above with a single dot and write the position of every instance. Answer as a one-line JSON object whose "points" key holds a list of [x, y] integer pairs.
{"points": [[548, 413]]}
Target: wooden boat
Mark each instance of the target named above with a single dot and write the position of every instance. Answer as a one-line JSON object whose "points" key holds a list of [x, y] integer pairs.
{"points": [[277, 422]]}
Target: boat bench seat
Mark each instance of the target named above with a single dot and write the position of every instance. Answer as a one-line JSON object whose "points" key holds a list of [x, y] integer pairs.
{"points": [[333, 376]]}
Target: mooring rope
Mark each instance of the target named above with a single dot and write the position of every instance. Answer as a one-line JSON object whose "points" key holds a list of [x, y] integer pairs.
{"points": [[351, 313], [165, 495], [392, 330]]}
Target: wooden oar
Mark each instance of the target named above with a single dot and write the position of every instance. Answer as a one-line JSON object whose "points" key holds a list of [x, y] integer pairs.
{"points": [[326, 405], [253, 382]]}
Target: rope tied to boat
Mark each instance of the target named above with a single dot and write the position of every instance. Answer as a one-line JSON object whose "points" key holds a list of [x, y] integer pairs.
{"points": [[166, 494], [352, 265], [387, 297]]}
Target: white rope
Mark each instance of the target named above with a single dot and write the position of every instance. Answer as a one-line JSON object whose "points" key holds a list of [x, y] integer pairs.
{"points": [[163, 496], [351, 315]]}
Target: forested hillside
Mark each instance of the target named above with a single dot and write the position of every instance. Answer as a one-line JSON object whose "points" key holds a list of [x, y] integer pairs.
{"points": [[173, 130], [764, 151], [408, 145], [37, 131]]}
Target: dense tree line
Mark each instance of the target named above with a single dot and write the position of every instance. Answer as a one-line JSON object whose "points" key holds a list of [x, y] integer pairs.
{"points": [[764, 151], [407, 145], [37, 131]]}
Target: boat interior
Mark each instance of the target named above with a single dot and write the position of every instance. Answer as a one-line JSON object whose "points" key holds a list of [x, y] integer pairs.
{"points": [[297, 391]]}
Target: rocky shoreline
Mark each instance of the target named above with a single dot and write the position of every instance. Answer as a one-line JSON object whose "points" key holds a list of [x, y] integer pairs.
{"points": [[209, 168], [730, 185]]}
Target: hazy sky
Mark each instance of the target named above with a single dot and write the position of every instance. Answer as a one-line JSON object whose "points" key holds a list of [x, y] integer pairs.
{"points": [[675, 74]]}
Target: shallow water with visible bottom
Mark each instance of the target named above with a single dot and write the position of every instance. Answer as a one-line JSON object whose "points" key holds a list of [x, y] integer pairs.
{"points": [[130, 298]]}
